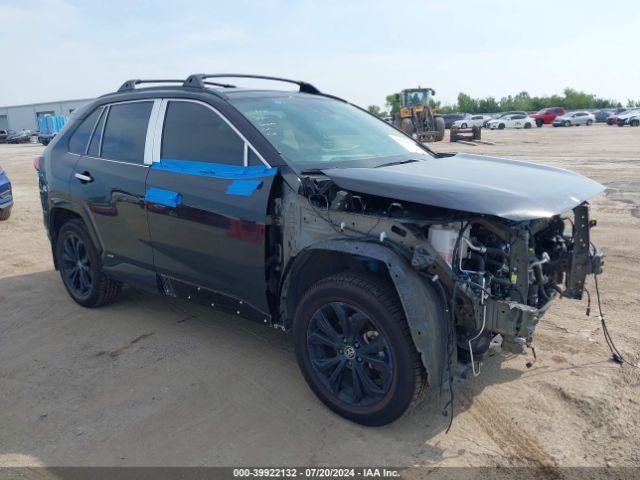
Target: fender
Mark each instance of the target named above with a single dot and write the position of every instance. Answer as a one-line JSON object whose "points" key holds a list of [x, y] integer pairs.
{"points": [[59, 203], [422, 305]]}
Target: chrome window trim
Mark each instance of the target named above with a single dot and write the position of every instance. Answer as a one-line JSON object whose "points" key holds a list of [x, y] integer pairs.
{"points": [[151, 131], [157, 136], [106, 117], [160, 126], [109, 160], [93, 131]]}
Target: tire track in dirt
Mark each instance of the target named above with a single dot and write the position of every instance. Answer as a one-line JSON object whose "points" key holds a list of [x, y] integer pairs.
{"points": [[519, 448]]}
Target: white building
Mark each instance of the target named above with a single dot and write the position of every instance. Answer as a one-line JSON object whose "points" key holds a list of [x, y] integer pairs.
{"points": [[20, 117]]}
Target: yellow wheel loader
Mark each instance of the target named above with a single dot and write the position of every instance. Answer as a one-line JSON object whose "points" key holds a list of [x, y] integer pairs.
{"points": [[415, 117]]}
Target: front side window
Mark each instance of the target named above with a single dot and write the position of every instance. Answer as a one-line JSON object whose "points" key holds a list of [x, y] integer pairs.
{"points": [[318, 132], [80, 137], [195, 132], [125, 132]]}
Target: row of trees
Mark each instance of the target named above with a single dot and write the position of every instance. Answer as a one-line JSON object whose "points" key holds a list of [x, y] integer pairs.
{"points": [[571, 100]]}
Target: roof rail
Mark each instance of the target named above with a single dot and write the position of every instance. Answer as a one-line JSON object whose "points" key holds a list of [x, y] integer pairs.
{"points": [[131, 84], [198, 81]]}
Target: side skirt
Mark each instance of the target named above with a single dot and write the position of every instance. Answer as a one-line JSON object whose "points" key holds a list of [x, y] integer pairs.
{"points": [[213, 299]]}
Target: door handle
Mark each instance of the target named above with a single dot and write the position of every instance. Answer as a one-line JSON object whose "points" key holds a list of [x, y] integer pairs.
{"points": [[84, 177]]}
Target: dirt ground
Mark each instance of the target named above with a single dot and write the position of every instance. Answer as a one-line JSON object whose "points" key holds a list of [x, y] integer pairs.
{"points": [[151, 381]]}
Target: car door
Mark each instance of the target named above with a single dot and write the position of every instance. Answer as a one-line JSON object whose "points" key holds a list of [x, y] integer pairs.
{"points": [[516, 121], [207, 199], [109, 181]]}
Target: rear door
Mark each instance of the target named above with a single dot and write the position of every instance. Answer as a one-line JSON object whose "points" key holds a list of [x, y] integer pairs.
{"points": [[109, 180], [207, 199]]}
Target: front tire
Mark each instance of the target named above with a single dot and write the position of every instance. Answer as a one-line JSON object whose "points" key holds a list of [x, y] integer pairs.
{"points": [[355, 350], [5, 213], [438, 123], [539, 122], [527, 125], [501, 126], [406, 125], [634, 123], [81, 269]]}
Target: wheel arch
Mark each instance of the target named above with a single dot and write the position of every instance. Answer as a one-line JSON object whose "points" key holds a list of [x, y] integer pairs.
{"points": [[59, 214], [423, 308]]}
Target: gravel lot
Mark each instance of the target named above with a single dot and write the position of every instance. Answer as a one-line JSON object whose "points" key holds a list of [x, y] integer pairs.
{"points": [[151, 381]]}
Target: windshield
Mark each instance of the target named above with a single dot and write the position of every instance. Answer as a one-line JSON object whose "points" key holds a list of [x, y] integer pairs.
{"points": [[314, 132], [418, 97]]}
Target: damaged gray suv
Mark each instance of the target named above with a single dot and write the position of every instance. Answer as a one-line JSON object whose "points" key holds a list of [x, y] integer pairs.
{"points": [[392, 265]]}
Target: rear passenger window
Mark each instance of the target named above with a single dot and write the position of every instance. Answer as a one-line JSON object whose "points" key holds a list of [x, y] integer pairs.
{"points": [[195, 132], [126, 131], [80, 138], [94, 146]]}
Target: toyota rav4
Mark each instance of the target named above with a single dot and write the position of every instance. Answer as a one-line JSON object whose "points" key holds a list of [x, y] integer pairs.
{"points": [[393, 266]]}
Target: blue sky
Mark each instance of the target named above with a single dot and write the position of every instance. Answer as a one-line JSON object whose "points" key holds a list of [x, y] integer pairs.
{"points": [[360, 50]]}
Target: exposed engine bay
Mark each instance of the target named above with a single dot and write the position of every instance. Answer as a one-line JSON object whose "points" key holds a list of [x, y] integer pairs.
{"points": [[496, 276]]}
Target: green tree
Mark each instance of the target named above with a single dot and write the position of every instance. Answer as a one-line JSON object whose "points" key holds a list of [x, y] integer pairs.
{"points": [[467, 104], [393, 103], [376, 110]]}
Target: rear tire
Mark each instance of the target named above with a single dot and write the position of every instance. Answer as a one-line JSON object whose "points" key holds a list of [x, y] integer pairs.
{"points": [[634, 123], [5, 213], [589, 122], [81, 268], [355, 350]]}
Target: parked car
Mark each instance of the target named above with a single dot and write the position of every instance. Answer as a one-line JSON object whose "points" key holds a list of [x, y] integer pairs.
{"points": [[6, 196], [3, 136], [45, 137], [602, 115], [630, 117], [22, 136], [504, 114], [305, 213], [613, 118], [546, 116], [449, 118], [574, 119], [472, 121], [517, 120]]}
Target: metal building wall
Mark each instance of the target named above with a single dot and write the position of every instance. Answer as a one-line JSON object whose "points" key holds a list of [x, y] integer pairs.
{"points": [[25, 116]]}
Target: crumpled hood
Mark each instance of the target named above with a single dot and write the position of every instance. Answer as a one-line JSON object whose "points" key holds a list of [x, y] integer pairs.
{"points": [[510, 189]]}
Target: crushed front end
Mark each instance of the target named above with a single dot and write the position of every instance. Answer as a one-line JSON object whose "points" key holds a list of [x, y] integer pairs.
{"points": [[506, 275]]}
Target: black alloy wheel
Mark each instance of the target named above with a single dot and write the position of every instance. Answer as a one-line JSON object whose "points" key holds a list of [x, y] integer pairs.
{"points": [[350, 354], [355, 350], [76, 266], [81, 268]]}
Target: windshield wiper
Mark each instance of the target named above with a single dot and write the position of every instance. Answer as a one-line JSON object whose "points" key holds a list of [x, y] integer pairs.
{"points": [[396, 163], [312, 171]]}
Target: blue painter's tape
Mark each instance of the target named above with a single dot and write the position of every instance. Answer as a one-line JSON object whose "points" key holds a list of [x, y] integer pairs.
{"points": [[163, 197], [214, 170], [243, 188]]}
